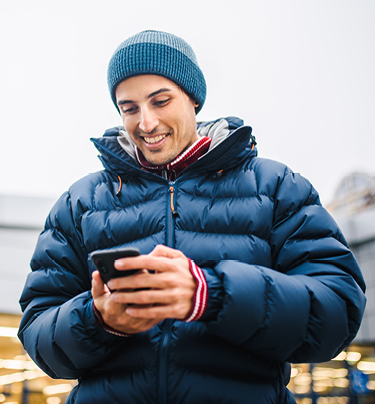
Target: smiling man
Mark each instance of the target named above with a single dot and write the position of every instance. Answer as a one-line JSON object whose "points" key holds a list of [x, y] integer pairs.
{"points": [[241, 271], [158, 116]]}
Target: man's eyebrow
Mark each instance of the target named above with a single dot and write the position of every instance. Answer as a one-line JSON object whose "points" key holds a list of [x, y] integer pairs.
{"points": [[123, 102], [161, 90]]}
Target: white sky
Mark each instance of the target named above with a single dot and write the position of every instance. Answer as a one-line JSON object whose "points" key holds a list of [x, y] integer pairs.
{"points": [[300, 72]]}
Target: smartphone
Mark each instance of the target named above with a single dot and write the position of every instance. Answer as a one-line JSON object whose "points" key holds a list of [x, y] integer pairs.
{"points": [[104, 260]]}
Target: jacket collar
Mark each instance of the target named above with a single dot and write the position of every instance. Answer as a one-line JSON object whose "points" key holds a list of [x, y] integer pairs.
{"points": [[231, 143]]}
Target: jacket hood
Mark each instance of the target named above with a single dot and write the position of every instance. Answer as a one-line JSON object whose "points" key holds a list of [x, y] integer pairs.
{"points": [[231, 143]]}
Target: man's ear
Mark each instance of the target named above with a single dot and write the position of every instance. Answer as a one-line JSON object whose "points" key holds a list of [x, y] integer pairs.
{"points": [[194, 103]]}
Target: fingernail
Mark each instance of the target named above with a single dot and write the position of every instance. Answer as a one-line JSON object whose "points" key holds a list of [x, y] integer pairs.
{"points": [[119, 264]]}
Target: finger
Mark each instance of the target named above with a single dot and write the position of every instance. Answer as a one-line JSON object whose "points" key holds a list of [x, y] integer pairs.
{"points": [[159, 251], [151, 297], [140, 297], [158, 281], [153, 263], [98, 288], [139, 280], [156, 312], [164, 251]]}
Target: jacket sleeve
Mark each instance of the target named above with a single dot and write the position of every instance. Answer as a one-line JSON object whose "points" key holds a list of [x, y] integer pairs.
{"points": [[309, 305], [58, 328]]}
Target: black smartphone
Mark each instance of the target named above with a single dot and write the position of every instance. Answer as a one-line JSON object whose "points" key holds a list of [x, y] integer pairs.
{"points": [[104, 260]]}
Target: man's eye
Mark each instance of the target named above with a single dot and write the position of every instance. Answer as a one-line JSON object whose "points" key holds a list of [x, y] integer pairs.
{"points": [[130, 110], [161, 103]]}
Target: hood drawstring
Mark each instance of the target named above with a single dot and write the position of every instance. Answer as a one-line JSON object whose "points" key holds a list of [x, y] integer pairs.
{"points": [[218, 174], [118, 193], [253, 141]]}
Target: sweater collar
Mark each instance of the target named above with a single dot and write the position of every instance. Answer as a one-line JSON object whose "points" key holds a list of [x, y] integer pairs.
{"points": [[182, 161]]}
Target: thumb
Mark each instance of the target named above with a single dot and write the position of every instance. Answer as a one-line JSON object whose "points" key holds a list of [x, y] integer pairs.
{"points": [[98, 287]]}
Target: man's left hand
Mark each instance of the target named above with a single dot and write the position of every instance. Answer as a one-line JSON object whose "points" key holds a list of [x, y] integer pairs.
{"points": [[165, 290]]}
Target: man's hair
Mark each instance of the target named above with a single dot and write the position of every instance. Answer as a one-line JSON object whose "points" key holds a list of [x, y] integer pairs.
{"points": [[162, 54]]}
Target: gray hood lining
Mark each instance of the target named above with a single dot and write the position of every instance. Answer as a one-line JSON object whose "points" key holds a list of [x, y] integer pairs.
{"points": [[217, 131]]}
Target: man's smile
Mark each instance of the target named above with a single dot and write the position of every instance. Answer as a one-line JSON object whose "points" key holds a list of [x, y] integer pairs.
{"points": [[154, 139]]}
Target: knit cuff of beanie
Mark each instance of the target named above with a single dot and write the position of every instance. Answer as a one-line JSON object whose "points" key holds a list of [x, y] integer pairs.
{"points": [[200, 296]]}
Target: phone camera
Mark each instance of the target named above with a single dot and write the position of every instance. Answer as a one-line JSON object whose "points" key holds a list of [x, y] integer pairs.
{"points": [[102, 267]]}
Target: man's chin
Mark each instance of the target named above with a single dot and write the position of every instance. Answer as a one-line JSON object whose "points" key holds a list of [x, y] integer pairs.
{"points": [[152, 157]]}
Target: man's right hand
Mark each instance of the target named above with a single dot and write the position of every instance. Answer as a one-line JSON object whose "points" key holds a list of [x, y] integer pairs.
{"points": [[114, 313]]}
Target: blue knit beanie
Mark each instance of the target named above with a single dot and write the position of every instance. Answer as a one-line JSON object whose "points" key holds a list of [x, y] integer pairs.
{"points": [[162, 54]]}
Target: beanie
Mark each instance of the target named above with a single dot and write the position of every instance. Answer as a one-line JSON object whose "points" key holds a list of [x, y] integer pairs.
{"points": [[159, 53]]}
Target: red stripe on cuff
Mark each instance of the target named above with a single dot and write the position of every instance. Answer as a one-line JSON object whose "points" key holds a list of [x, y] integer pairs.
{"points": [[201, 295]]}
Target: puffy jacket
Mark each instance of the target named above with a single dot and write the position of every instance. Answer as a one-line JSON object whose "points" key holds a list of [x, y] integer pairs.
{"points": [[283, 285]]}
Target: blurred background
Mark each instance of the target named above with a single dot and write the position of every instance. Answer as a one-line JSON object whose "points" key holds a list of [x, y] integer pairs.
{"points": [[301, 73]]}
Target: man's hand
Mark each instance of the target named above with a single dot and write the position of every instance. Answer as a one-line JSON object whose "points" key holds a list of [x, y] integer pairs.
{"points": [[164, 288], [113, 313]]}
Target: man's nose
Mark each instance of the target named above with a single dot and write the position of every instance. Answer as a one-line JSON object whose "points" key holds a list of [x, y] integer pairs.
{"points": [[148, 120]]}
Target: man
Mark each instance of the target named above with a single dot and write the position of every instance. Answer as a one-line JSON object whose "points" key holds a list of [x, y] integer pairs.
{"points": [[242, 270]]}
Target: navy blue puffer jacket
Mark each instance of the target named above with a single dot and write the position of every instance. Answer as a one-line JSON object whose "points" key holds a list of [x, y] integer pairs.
{"points": [[283, 285]]}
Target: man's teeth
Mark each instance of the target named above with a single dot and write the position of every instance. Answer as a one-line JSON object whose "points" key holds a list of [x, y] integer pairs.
{"points": [[154, 139]]}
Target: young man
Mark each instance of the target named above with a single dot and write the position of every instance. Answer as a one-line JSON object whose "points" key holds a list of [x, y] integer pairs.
{"points": [[242, 270]]}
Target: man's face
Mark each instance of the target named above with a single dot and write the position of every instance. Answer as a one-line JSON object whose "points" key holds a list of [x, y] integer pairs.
{"points": [[158, 116]]}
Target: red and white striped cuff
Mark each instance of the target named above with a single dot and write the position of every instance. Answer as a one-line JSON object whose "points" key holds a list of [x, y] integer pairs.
{"points": [[201, 293]]}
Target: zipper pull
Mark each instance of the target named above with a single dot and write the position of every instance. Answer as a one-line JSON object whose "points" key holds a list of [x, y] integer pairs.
{"points": [[118, 193], [174, 212]]}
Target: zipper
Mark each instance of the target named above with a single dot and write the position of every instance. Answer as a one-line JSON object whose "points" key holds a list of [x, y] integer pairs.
{"points": [[171, 190], [167, 324], [171, 216], [163, 361]]}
